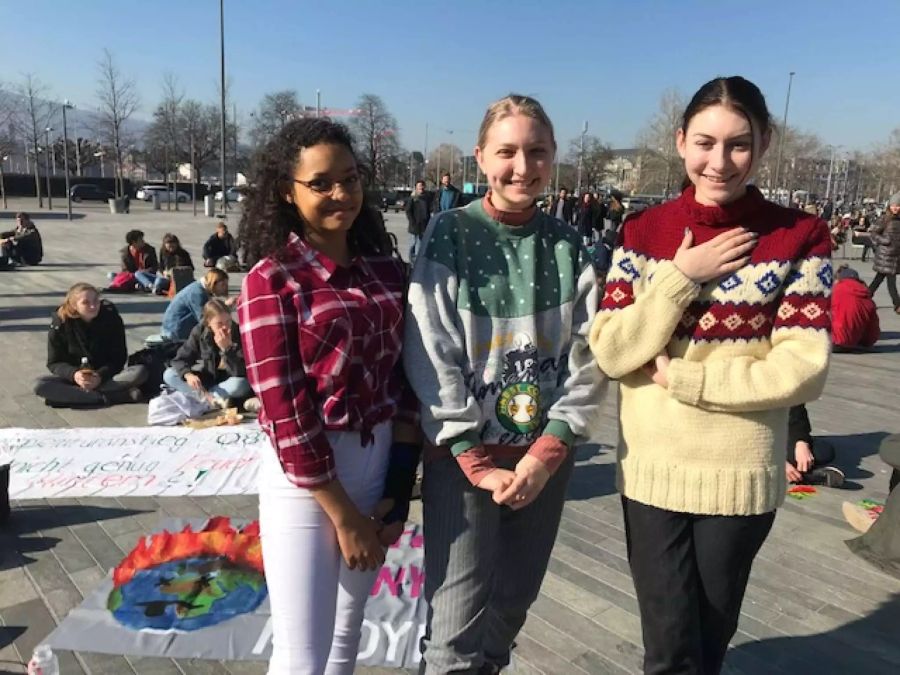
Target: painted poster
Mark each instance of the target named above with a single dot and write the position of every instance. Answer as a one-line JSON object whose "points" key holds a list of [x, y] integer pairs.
{"points": [[197, 590], [137, 462]]}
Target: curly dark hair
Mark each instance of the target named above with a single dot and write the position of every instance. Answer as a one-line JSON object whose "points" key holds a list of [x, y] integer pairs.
{"points": [[268, 219]]}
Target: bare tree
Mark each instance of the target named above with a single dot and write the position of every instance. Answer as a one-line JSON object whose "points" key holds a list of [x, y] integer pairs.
{"points": [[660, 162], [117, 101], [597, 155], [376, 134], [275, 110], [445, 158], [35, 113]]}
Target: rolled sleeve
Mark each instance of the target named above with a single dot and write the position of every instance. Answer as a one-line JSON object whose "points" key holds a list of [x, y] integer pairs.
{"points": [[270, 337]]}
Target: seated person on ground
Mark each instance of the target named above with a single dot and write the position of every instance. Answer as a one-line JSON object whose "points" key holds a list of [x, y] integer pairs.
{"points": [[22, 245], [139, 258], [220, 245], [171, 255], [186, 308], [854, 316], [210, 364], [807, 460], [86, 354]]}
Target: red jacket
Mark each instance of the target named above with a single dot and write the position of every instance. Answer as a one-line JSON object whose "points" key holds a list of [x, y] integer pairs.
{"points": [[854, 319]]}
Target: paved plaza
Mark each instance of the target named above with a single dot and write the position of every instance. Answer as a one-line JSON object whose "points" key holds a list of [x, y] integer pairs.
{"points": [[811, 607]]}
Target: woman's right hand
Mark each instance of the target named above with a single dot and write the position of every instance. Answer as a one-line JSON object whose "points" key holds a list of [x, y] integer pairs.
{"points": [[721, 255], [359, 543]]}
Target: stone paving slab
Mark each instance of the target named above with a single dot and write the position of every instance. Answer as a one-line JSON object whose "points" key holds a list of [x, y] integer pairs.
{"points": [[810, 606]]}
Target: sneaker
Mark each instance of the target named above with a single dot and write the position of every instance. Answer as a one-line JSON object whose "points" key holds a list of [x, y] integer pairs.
{"points": [[135, 395], [252, 405], [221, 402], [859, 518], [829, 476]]}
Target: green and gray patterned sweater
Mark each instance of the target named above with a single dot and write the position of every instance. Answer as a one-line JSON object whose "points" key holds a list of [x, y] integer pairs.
{"points": [[499, 310]]}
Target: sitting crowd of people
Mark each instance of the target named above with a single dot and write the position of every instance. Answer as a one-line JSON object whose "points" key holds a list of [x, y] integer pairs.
{"points": [[87, 353]]}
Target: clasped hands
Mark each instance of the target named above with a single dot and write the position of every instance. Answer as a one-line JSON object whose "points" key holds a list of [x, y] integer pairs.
{"points": [[519, 487]]}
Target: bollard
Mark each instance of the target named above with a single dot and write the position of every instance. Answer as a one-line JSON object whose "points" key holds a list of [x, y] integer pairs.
{"points": [[155, 198], [209, 206]]}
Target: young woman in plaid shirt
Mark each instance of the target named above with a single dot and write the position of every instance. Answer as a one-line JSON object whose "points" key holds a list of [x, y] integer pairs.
{"points": [[321, 318]]}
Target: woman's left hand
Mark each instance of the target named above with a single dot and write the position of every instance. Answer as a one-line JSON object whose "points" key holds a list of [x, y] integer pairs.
{"points": [[658, 369], [387, 534], [531, 477]]}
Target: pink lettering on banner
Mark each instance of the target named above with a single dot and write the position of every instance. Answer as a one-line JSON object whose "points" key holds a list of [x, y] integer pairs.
{"points": [[385, 576], [417, 579]]}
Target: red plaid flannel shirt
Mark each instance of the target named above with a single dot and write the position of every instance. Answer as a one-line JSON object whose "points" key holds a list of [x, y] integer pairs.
{"points": [[322, 346]]}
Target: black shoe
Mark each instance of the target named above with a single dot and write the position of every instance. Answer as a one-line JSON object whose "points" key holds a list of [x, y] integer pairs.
{"points": [[830, 476]]}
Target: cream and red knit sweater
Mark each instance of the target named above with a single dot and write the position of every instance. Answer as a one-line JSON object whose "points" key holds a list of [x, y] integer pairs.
{"points": [[744, 349]]}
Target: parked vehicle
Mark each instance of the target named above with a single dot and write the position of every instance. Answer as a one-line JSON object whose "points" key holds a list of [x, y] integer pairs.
{"points": [[233, 194], [89, 193], [395, 199], [165, 195]]}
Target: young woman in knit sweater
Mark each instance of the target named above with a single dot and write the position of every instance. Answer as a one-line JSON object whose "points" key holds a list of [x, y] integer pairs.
{"points": [[715, 322], [500, 302]]}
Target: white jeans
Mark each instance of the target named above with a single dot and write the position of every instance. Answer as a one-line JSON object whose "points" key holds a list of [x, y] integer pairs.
{"points": [[317, 601]]}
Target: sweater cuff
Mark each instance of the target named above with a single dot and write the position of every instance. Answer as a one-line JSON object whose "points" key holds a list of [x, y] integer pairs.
{"points": [[685, 381], [550, 450], [464, 442], [561, 430], [673, 284], [475, 463]]}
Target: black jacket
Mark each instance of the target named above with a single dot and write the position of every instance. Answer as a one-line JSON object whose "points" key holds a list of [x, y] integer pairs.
{"points": [[216, 248], [799, 428], [418, 211], [169, 261], [886, 237], [27, 245], [102, 341], [200, 346], [129, 264], [568, 210]]}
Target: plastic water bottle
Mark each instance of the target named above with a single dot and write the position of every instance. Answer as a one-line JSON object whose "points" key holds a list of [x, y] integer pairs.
{"points": [[43, 661]]}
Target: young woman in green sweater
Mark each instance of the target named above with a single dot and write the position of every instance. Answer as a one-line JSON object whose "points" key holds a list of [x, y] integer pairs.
{"points": [[501, 298]]}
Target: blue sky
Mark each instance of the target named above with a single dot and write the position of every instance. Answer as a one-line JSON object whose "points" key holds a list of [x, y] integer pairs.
{"points": [[442, 63]]}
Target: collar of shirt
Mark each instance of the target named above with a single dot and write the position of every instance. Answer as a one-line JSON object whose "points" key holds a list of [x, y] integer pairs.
{"points": [[324, 266]]}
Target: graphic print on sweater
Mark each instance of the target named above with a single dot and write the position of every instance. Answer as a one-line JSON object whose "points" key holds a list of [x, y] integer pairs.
{"points": [[518, 407]]}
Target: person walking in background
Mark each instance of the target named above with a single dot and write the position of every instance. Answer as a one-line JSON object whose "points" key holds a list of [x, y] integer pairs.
{"points": [[186, 308], [216, 344], [561, 207], [885, 236], [715, 322], [418, 213], [615, 212], [139, 258], [321, 318], [171, 255], [86, 355], [447, 196], [219, 245], [507, 386], [854, 316], [588, 219]]}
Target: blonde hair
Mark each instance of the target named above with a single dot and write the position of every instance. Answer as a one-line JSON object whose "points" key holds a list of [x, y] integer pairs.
{"points": [[214, 276], [67, 309], [513, 104], [212, 309]]}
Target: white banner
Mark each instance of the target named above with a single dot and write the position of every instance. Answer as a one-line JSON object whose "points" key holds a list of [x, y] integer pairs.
{"points": [[137, 462]]}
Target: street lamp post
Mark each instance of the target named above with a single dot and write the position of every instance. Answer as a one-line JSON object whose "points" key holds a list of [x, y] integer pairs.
{"points": [[47, 164], [2, 181], [787, 103], [581, 156], [222, 102], [66, 105], [194, 178]]}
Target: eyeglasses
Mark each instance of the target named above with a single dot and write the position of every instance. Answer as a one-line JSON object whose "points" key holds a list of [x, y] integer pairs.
{"points": [[325, 187]]}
